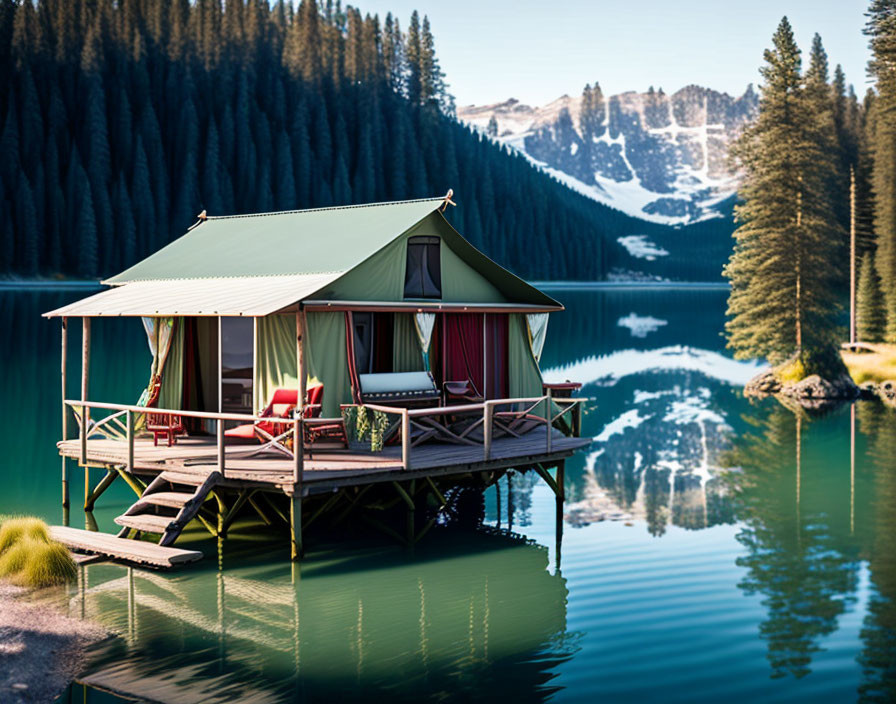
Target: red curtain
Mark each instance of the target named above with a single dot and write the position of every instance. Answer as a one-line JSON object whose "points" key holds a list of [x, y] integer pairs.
{"points": [[496, 385], [463, 345]]}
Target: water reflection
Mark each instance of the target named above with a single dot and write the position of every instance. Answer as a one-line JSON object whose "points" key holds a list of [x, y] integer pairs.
{"points": [[479, 618]]}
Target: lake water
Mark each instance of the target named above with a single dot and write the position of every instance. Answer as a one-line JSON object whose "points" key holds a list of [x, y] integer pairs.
{"points": [[712, 548]]}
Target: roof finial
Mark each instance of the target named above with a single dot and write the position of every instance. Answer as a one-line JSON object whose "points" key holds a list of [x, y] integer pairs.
{"points": [[202, 215], [448, 200]]}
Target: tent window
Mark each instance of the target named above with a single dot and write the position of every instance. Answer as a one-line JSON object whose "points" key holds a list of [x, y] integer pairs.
{"points": [[423, 275], [363, 342]]}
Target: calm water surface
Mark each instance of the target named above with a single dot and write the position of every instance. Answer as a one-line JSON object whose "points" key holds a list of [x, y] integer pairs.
{"points": [[712, 548]]}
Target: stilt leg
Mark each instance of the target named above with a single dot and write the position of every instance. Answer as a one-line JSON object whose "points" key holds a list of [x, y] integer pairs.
{"points": [[65, 503], [561, 497], [295, 527]]}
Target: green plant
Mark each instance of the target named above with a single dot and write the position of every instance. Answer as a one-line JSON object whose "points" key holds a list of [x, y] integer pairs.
{"points": [[14, 529], [47, 565], [362, 423]]}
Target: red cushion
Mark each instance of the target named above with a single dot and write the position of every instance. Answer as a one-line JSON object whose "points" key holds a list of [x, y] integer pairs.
{"points": [[243, 432]]}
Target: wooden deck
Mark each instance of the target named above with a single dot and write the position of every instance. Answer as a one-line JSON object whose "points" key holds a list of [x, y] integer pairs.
{"points": [[325, 470]]}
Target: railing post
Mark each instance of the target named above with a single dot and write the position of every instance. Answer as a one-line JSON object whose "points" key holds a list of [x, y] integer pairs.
{"points": [[550, 419], [298, 450], [85, 419], [405, 438], [129, 417], [221, 447], [487, 416]]}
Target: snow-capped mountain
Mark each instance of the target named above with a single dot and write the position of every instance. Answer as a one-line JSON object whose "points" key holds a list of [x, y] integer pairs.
{"points": [[658, 157]]}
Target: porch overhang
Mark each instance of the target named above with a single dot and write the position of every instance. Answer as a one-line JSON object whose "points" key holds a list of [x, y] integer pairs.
{"points": [[316, 306], [252, 296]]}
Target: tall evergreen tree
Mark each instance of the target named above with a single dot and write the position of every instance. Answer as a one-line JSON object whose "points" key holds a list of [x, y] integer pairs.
{"points": [[870, 312], [781, 298], [881, 29]]}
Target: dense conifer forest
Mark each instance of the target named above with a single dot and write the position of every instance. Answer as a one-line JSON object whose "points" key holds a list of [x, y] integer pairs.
{"points": [[121, 121]]}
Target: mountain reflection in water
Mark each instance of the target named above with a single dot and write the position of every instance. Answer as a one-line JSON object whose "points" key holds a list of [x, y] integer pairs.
{"points": [[714, 549]]}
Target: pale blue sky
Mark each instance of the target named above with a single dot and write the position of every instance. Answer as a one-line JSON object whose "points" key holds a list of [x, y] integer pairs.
{"points": [[536, 51]]}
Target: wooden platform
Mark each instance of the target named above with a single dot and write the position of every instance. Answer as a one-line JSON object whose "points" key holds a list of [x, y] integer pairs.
{"points": [[325, 470], [136, 551]]}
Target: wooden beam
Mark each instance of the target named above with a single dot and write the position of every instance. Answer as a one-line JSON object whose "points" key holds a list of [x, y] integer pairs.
{"points": [[104, 483], [549, 480], [85, 377], [302, 376], [132, 481]]}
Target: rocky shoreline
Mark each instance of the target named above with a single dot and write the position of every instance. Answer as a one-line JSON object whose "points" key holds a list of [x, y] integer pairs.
{"points": [[41, 649], [817, 392]]}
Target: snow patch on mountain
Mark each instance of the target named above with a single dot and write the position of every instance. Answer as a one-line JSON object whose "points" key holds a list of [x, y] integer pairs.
{"points": [[658, 157]]}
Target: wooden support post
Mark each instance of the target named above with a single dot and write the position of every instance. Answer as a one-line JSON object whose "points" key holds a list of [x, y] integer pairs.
{"points": [[852, 255], [132, 481], [221, 448], [487, 429], [302, 375], [561, 497], [405, 439], [295, 527], [85, 378], [65, 503], [105, 483], [298, 452]]}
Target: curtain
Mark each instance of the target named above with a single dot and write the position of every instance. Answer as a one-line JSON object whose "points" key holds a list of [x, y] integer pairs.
{"points": [[406, 356], [538, 329], [327, 360], [275, 357], [424, 324], [524, 377], [464, 349], [166, 343], [496, 355]]}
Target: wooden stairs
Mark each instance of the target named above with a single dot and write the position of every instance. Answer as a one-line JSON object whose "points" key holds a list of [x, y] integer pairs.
{"points": [[167, 505]]}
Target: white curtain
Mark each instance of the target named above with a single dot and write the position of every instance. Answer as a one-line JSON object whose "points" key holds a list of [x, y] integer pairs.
{"points": [[159, 333], [424, 323], [538, 330]]}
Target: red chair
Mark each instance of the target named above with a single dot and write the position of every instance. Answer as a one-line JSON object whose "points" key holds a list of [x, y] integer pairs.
{"points": [[272, 435], [166, 425]]}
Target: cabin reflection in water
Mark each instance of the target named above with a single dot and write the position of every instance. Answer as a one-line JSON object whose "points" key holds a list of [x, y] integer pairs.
{"points": [[365, 626]]}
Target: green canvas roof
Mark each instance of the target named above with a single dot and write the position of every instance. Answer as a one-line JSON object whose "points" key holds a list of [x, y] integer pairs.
{"points": [[256, 264], [323, 240]]}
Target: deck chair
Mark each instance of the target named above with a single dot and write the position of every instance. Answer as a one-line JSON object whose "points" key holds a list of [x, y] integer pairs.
{"points": [[164, 425], [272, 435]]}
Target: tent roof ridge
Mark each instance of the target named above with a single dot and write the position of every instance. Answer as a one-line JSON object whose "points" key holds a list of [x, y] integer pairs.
{"points": [[278, 275], [434, 200]]}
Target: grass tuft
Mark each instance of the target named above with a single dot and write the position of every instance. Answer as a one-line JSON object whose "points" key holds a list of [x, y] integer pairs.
{"points": [[28, 556], [791, 371], [14, 529], [48, 565]]}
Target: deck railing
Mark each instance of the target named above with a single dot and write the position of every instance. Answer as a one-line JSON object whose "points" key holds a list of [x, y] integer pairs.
{"points": [[509, 416], [112, 427]]}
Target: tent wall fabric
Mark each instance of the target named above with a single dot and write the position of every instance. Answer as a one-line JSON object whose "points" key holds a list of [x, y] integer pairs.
{"points": [[275, 357], [406, 353], [524, 377], [496, 355], [326, 356]]}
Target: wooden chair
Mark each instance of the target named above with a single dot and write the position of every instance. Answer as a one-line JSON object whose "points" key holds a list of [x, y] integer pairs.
{"points": [[165, 425]]}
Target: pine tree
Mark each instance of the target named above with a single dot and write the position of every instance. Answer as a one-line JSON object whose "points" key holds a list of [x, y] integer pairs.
{"points": [[870, 312], [781, 298], [881, 28]]}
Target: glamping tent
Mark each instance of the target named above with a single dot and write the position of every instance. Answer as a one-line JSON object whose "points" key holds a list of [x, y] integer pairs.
{"points": [[375, 295]]}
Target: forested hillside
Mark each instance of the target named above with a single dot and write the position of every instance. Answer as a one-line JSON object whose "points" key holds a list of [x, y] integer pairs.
{"points": [[121, 121]]}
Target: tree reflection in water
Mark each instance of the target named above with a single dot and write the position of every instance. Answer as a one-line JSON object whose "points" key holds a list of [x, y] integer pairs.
{"points": [[797, 557]]}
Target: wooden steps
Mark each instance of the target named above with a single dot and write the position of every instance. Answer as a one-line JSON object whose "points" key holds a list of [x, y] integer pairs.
{"points": [[136, 551], [171, 499], [148, 523], [164, 509]]}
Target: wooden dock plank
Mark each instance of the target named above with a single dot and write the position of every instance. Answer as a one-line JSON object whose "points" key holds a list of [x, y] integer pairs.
{"points": [[138, 551]]}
